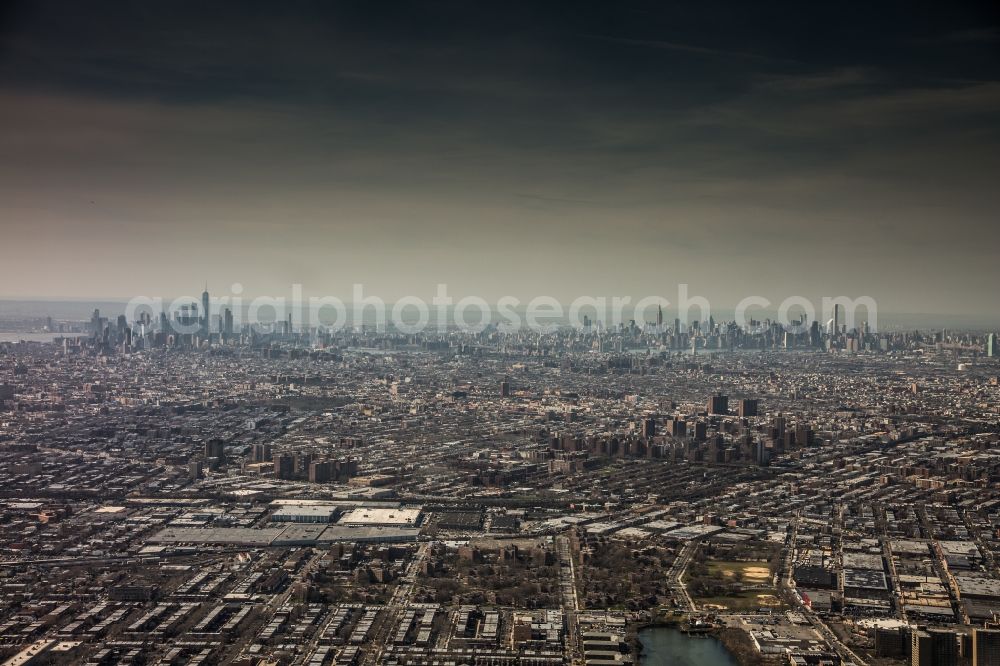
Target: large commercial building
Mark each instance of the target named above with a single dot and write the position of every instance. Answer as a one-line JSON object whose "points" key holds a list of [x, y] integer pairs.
{"points": [[376, 517], [305, 513]]}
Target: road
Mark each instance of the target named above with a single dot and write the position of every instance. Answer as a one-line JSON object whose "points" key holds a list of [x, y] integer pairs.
{"points": [[675, 575], [404, 591], [570, 598]]}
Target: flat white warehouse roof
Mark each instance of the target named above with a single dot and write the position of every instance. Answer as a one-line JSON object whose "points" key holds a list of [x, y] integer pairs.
{"points": [[377, 516]]}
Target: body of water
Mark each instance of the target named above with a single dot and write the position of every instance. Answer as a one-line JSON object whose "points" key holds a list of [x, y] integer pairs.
{"points": [[667, 646], [36, 337]]}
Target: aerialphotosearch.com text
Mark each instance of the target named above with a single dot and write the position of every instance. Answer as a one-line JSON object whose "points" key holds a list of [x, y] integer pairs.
{"points": [[472, 314]]}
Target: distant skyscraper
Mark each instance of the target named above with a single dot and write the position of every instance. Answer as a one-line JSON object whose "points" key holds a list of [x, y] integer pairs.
{"points": [[814, 336], [205, 312], [991, 345], [659, 317]]}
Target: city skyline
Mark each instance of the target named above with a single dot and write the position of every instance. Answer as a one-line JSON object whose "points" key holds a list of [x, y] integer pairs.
{"points": [[503, 150]]}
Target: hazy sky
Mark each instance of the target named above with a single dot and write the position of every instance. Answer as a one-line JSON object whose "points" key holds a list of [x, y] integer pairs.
{"points": [[564, 149]]}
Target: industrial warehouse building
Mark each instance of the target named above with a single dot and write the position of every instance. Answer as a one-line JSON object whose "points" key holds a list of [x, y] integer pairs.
{"points": [[379, 517], [305, 513]]}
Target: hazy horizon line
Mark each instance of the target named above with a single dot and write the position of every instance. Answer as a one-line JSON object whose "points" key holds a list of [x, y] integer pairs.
{"points": [[727, 308]]}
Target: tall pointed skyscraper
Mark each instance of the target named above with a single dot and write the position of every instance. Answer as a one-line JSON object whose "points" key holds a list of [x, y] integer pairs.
{"points": [[205, 322]]}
